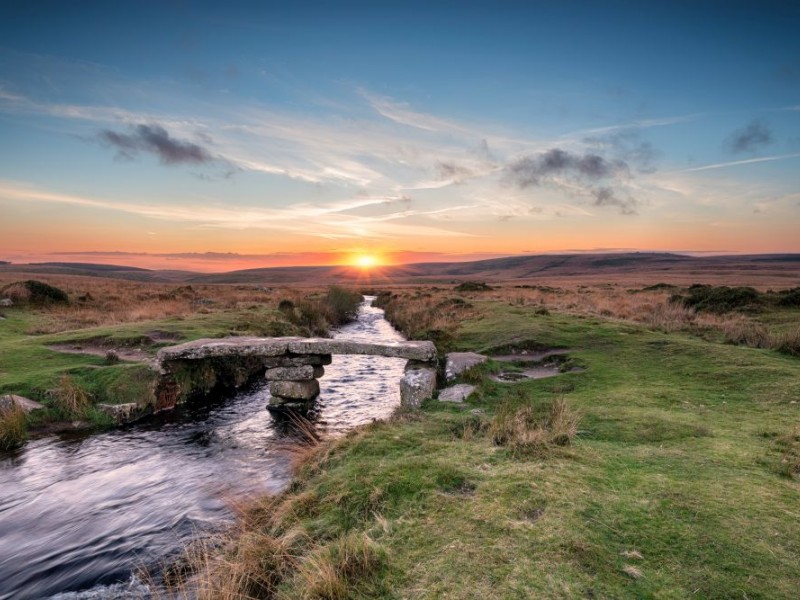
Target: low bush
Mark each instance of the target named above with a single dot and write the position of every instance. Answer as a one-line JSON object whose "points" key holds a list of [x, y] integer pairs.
{"points": [[342, 305], [35, 293], [473, 286], [721, 299]]}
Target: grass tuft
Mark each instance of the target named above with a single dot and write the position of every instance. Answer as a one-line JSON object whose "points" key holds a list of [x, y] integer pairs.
{"points": [[525, 431], [71, 399], [13, 427], [333, 571]]}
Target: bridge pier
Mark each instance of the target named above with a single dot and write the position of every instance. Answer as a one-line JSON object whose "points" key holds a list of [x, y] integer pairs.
{"points": [[295, 382]]}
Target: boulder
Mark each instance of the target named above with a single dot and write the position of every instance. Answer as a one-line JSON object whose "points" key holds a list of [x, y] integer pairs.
{"points": [[12, 400], [456, 393], [416, 385], [301, 373], [459, 362], [6, 302], [295, 390]]}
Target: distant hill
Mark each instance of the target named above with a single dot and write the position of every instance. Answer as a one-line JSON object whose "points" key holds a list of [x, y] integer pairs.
{"points": [[528, 267]]}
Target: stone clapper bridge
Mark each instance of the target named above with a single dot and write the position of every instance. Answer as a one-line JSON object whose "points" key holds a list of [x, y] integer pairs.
{"points": [[292, 365]]}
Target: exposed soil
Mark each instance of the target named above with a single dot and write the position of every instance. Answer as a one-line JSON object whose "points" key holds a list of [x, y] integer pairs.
{"points": [[538, 364], [531, 355], [138, 350], [123, 352]]}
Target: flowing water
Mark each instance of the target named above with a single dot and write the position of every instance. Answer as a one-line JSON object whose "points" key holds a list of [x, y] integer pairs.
{"points": [[79, 514]]}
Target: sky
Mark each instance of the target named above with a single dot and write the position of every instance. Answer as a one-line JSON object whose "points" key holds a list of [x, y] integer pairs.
{"points": [[217, 136]]}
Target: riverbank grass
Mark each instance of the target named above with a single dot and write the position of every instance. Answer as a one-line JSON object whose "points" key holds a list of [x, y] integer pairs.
{"points": [[71, 371], [673, 481]]}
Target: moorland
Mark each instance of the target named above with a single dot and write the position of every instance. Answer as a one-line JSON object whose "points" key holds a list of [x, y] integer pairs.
{"points": [[664, 462]]}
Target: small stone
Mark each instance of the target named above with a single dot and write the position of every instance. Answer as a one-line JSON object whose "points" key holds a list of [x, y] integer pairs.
{"points": [[456, 393], [301, 373], [417, 385], [295, 390], [459, 362], [121, 413], [6, 302]]}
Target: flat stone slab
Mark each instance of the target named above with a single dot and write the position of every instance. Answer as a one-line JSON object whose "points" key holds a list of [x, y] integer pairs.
{"points": [[456, 393], [274, 347], [26, 404], [230, 346], [458, 362], [410, 350]]}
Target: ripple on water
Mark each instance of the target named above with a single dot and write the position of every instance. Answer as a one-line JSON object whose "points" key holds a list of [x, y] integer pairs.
{"points": [[82, 512]]}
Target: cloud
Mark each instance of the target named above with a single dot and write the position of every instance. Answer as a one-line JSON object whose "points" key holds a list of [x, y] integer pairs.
{"points": [[574, 173], [751, 138], [534, 170], [332, 220], [155, 140], [450, 171], [735, 163], [627, 145], [605, 196]]}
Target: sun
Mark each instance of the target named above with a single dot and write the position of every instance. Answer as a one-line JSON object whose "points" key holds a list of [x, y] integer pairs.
{"points": [[365, 261]]}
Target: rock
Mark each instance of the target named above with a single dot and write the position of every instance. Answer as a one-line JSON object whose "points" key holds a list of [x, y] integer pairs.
{"points": [[301, 373], [458, 362], [121, 413], [6, 302], [417, 385], [456, 393], [295, 390], [11, 400], [232, 346]]}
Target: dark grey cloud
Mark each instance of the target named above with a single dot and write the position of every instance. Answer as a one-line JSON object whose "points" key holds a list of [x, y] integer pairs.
{"points": [[751, 138], [535, 170], [606, 196], [154, 139], [590, 175]]}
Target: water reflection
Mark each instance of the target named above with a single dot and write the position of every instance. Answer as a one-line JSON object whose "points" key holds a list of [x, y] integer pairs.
{"points": [[82, 512]]}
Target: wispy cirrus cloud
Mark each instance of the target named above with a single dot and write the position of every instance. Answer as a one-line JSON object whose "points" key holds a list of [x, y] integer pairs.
{"points": [[735, 163], [332, 220]]}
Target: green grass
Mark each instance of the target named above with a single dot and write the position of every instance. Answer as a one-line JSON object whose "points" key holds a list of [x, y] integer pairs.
{"points": [[30, 368], [676, 485]]}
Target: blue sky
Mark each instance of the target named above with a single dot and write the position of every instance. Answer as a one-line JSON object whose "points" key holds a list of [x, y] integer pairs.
{"points": [[264, 133]]}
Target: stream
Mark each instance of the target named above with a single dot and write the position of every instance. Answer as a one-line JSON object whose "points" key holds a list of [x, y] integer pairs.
{"points": [[80, 514]]}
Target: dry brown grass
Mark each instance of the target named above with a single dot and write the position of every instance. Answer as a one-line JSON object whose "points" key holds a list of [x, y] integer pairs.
{"points": [[70, 398], [330, 570], [526, 431], [13, 427], [95, 301]]}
